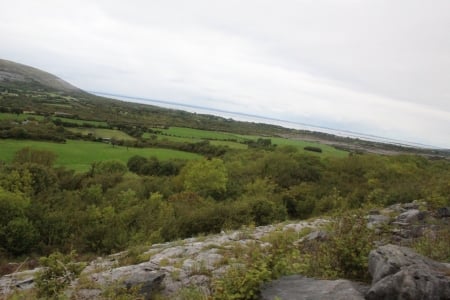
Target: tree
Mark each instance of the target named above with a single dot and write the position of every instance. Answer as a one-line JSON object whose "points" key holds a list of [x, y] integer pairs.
{"points": [[135, 163], [108, 167], [28, 155], [206, 177], [17, 234]]}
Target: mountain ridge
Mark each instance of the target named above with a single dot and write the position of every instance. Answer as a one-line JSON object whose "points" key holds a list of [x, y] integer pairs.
{"points": [[12, 72]]}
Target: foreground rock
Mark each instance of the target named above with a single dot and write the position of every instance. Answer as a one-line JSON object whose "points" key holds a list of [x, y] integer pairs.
{"points": [[400, 273], [301, 288], [192, 262]]}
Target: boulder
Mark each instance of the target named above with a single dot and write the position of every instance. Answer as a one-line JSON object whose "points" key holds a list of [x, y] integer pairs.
{"points": [[319, 235], [411, 216], [443, 212], [302, 288], [400, 273], [146, 282], [377, 220]]}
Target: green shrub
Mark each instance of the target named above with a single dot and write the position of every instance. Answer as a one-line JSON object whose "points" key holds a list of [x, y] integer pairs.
{"points": [[313, 149], [58, 271], [434, 244], [344, 254]]}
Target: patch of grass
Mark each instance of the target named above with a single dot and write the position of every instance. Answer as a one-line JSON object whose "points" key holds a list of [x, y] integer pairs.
{"points": [[192, 293], [232, 145], [326, 150], [434, 244], [81, 122], [58, 105], [103, 133], [79, 155], [178, 139], [199, 134], [236, 141], [20, 117], [199, 268]]}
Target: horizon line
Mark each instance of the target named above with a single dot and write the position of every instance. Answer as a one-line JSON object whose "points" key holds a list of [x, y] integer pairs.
{"points": [[393, 141]]}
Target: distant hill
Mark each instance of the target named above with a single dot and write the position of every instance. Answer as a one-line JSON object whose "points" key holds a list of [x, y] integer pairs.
{"points": [[14, 74], [26, 88]]}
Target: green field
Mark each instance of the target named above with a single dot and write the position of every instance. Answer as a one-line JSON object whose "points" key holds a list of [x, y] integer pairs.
{"points": [[78, 155], [232, 145], [81, 122], [103, 133], [20, 117], [199, 134], [58, 105], [189, 135], [326, 150]]}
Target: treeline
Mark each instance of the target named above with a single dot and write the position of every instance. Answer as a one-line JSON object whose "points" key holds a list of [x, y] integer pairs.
{"points": [[114, 206], [55, 131], [32, 130]]}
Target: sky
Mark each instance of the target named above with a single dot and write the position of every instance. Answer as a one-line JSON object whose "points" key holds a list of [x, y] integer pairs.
{"points": [[378, 67]]}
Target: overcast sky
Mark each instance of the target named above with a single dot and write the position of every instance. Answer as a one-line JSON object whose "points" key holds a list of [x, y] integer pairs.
{"points": [[380, 67]]}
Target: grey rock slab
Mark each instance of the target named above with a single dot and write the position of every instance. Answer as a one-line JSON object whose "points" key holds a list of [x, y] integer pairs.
{"points": [[377, 220], [147, 282], [400, 273], [409, 216], [297, 287], [83, 294], [389, 259], [411, 283]]}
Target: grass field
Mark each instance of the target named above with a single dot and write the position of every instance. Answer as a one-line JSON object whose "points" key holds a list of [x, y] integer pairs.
{"points": [[78, 155], [81, 122], [232, 145], [103, 133], [189, 135], [199, 134], [20, 117], [326, 150]]}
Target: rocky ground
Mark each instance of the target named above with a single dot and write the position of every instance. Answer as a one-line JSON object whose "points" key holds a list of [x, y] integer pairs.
{"points": [[397, 272]]}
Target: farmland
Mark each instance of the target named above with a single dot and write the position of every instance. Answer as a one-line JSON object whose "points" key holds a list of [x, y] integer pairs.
{"points": [[78, 155], [237, 141], [103, 133]]}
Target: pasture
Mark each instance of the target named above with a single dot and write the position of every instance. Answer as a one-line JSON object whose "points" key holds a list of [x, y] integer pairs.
{"points": [[199, 134], [103, 133], [79, 155], [236, 141]]}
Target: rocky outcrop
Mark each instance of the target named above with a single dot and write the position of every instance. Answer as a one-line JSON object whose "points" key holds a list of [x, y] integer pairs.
{"points": [[400, 273], [301, 288], [172, 266]]}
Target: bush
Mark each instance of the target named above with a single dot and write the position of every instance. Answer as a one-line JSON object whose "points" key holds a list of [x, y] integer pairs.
{"points": [[59, 270], [243, 280], [313, 149], [344, 254]]}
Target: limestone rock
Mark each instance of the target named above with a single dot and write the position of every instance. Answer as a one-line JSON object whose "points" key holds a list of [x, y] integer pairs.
{"points": [[302, 288], [319, 235], [400, 273], [410, 216], [443, 212], [377, 220]]}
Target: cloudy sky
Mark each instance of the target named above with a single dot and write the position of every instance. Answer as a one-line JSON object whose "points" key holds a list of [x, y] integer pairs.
{"points": [[379, 67]]}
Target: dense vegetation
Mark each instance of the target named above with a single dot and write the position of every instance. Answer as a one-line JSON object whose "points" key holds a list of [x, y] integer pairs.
{"points": [[108, 208]]}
